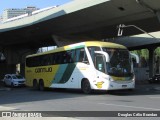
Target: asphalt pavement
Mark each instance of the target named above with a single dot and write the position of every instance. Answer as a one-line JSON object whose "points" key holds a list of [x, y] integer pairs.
{"points": [[145, 97]]}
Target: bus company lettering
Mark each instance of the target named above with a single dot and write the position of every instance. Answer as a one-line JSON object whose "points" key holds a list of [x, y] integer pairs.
{"points": [[39, 70]]}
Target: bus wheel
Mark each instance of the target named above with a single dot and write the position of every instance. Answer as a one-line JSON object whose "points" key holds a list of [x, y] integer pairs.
{"points": [[35, 85], [41, 85], [86, 88]]}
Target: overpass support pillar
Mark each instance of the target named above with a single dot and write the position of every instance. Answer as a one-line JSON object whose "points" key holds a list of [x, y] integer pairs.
{"points": [[151, 62], [14, 56], [7, 69], [158, 15]]}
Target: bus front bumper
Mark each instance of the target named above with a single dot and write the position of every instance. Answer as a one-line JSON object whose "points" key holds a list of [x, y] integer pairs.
{"points": [[121, 85], [114, 85]]}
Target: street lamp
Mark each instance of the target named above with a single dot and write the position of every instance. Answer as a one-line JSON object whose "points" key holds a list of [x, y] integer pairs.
{"points": [[121, 26]]}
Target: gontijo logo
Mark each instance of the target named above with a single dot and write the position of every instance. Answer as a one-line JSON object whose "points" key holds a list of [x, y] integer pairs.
{"points": [[39, 70]]}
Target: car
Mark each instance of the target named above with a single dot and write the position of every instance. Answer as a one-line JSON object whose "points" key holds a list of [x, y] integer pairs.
{"points": [[14, 80], [154, 79]]}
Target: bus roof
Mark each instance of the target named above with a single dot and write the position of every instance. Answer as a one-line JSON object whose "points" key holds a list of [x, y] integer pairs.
{"points": [[80, 45]]}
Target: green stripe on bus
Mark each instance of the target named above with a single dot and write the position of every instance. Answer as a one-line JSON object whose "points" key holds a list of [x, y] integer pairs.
{"points": [[60, 73], [68, 72], [76, 47]]}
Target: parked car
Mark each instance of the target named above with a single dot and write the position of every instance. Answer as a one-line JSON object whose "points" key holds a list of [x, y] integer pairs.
{"points": [[155, 79], [14, 80]]}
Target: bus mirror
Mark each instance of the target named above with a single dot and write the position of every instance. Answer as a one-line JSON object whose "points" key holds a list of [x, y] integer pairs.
{"points": [[105, 54], [135, 56]]}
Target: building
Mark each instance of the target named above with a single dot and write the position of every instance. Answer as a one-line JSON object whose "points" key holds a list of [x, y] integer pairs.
{"points": [[14, 12], [1, 19]]}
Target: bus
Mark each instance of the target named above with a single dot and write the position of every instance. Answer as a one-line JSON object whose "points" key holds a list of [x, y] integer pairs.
{"points": [[90, 65]]}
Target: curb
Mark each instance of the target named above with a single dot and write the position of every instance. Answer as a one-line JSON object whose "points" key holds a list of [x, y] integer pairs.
{"points": [[141, 82], [5, 89]]}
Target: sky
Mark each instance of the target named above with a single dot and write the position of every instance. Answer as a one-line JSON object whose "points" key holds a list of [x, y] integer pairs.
{"points": [[5, 4]]}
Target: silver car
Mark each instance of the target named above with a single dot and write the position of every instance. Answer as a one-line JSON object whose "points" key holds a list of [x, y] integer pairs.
{"points": [[14, 80]]}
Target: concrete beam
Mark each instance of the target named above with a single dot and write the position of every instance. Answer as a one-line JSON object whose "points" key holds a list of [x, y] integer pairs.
{"points": [[7, 69], [63, 41], [11, 55], [59, 41]]}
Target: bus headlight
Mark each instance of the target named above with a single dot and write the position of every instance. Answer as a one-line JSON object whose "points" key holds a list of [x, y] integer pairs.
{"points": [[110, 79], [133, 78]]}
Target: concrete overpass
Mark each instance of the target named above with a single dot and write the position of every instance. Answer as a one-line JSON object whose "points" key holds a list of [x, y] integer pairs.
{"points": [[76, 21]]}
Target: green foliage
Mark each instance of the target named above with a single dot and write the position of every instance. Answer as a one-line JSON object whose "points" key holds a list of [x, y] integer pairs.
{"points": [[157, 51], [145, 52]]}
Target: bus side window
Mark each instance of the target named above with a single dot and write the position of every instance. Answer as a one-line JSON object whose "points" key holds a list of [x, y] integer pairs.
{"points": [[28, 62], [49, 59], [53, 58], [69, 56], [73, 56], [99, 62], [31, 62], [63, 59], [81, 56], [39, 61], [91, 51], [85, 59], [56, 58], [45, 60], [77, 55]]}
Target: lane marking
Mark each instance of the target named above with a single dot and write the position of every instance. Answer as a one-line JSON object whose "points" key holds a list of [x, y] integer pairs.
{"points": [[6, 108], [155, 97], [129, 106]]}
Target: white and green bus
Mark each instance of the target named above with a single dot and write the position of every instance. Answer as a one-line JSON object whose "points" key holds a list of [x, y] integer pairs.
{"points": [[88, 66]]}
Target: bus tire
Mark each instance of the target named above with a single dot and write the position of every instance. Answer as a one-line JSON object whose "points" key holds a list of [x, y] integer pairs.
{"points": [[35, 84], [41, 85], [85, 86]]}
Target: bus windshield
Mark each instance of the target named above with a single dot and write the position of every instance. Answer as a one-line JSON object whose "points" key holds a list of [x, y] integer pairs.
{"points": [[120, 63]]}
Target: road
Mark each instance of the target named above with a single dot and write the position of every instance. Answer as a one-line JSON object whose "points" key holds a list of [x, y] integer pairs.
{"points": [[143, 98]]}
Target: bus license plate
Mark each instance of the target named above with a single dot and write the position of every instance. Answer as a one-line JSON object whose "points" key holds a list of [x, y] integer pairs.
{"points": [[124, 86]]}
